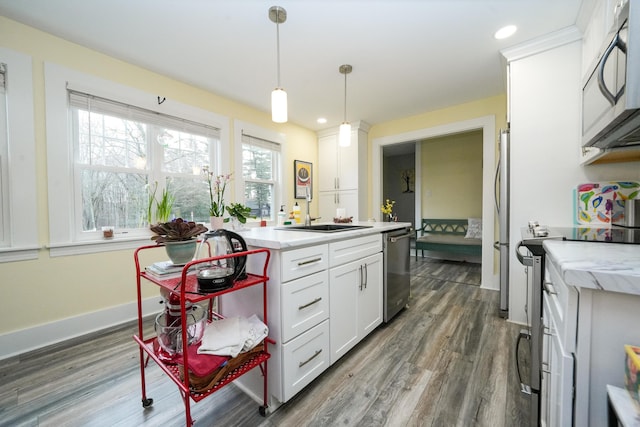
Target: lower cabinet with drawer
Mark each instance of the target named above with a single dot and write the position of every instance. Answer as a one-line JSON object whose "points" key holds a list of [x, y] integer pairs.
{"points": [[318, 296], [305, 357], [583, 348]]}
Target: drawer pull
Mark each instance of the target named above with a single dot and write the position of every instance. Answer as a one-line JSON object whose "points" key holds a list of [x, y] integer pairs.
{"points": [[302, 307], [316, 354], [309, 261], [548, 287]]}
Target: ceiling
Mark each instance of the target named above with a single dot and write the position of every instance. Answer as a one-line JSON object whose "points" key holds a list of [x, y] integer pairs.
{"points": [[408, 56]]}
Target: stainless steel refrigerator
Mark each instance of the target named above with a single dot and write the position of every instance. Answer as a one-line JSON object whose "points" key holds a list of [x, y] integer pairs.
{"points": [[502, 206]]}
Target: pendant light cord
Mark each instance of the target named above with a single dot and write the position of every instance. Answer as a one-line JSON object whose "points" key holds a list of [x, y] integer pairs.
{"points": [[345, 97], [278, 43]]}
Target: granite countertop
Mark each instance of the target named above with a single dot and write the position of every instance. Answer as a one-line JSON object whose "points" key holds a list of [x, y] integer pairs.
{"points": [[277, 238], [604, 266]]}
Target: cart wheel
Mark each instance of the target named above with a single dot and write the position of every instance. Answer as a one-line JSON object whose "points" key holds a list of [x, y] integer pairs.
{"points": [[262, 410], [147, 402]]}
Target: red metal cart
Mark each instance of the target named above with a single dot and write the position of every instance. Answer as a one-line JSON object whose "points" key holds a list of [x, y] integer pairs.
{"points": [[185, 285]]}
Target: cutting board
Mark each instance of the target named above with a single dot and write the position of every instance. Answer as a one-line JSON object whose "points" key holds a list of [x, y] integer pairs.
{"points": [[598, 203]]}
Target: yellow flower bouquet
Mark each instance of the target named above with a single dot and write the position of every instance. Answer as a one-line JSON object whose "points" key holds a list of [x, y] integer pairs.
{"points": [[387, 207]]}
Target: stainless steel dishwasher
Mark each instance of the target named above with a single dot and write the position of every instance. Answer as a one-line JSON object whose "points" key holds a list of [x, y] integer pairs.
{"points": [[396, 271]]}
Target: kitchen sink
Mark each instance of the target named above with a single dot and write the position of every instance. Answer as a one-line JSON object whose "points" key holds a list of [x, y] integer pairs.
{"points": [[323, 228]]}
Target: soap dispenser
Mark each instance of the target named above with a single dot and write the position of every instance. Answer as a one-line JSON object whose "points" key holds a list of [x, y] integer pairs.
{"points": [[282, 216]]}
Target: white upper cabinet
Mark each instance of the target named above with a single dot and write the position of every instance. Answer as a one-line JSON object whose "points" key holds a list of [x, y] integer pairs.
{"points": [[342, 173]]}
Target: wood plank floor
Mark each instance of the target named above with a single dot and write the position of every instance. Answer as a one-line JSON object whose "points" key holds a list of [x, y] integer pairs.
{"points": [[446, 360]]}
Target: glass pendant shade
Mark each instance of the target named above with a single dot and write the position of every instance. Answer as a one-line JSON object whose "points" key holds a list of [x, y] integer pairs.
{"points": [[344, 137], [279, 105]]}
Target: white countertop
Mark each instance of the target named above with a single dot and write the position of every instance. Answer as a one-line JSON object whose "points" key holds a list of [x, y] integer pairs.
{"points": [[605, 266], [276, 238]]}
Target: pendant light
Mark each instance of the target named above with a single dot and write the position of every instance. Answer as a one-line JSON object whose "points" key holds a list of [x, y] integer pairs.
{"points": [[344, 137], [278, 15]]}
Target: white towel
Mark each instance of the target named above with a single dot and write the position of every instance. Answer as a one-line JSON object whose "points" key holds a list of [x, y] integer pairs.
{"points": [[232, 335], [257, 332], [225, 337]]}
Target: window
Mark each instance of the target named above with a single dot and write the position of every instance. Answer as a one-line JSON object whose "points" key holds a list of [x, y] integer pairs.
{"points": [[108, 145], [260, 183], [18, 207], [123, 153]]}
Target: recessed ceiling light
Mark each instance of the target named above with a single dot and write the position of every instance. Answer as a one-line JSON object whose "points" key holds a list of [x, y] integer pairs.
{"points": [[505, 32], [321, 120]]}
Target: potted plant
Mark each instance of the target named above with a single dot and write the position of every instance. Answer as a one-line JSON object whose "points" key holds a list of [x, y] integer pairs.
{"points": [[217, 186], [239, 213], [179, 237], [160, 209]]}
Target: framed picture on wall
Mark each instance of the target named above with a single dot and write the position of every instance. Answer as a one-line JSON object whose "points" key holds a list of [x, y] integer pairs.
{"points": [[303, 181]]}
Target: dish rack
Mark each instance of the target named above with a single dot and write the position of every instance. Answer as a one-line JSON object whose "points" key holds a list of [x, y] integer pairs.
{"points": [[186, 285]]}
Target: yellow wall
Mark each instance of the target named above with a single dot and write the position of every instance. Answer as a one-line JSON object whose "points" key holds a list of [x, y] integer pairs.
{"points": [[49, 289], [496, 106], [452, 176]]}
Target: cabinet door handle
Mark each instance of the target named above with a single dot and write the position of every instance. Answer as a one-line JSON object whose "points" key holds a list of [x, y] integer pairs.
{"points": [[548, 287], [361, 277], [316, 354], [309, 261], [302, 307], [335, 183], [366, 275], [338, 183]]}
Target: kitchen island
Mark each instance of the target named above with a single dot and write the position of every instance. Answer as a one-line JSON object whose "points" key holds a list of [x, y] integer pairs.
{"points": [[325, 294], [591, 310]]}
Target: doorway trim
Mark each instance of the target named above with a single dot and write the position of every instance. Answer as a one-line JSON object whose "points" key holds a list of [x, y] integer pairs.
{"points": [[489, 279]]}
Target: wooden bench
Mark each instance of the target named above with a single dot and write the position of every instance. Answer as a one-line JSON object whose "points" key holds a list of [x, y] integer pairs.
{"points": [[447, 236]]}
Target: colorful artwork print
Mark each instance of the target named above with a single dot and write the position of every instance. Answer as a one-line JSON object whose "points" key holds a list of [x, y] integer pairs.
{"points": [[603, 202], [302, 178]]}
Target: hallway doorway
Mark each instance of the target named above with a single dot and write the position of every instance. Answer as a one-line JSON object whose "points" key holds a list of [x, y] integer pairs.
{"points": [[398, 179], [486, 124]]}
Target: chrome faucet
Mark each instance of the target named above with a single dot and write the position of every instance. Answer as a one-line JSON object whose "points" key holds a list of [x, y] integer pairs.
{"points": [[307, 218]]}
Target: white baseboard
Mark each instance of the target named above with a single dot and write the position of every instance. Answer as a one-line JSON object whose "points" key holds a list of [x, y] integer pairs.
{"points": [[24, 340]]}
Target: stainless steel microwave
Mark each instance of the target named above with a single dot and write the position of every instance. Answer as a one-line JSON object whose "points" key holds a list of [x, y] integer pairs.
{"points": [[611, 92]]}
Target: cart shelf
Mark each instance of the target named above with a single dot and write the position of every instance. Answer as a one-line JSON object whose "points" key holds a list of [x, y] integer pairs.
{"points": [[185, 286], [150, 346]]}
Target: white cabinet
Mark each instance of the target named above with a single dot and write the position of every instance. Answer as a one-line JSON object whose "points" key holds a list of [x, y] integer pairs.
{"points": [[355, 290], [329, 201], [585, 333], [302, 300], [557, 374], [342, 175], [305, 303], [305, 357]]}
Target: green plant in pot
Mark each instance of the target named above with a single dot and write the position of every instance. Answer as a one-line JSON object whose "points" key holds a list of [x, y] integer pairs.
{"points": [[179, 237], [239, 212], [160, 209]]}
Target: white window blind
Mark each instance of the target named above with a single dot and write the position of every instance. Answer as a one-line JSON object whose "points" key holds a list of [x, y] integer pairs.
{"points": [[106, 106]]}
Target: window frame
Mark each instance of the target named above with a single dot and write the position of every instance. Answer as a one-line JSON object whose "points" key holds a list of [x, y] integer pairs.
{"points": [[279, 186], [63, 239], [21, 226]]}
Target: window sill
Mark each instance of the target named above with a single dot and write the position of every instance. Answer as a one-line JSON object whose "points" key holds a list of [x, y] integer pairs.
{"points": [[94, 246], [11, 254]]}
